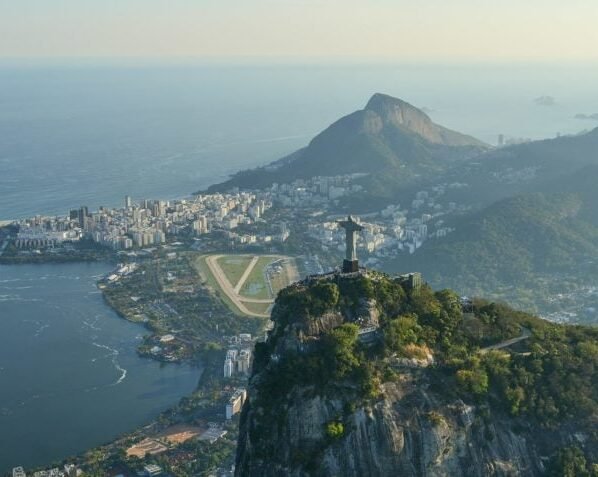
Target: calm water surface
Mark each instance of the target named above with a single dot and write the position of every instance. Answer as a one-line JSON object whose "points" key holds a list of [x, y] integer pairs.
{"points": [[90, 133], [69, 375]]}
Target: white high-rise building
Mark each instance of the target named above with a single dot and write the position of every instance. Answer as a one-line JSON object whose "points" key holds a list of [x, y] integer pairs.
{"points": [[235, 403], [244, 361], [228, 368]]}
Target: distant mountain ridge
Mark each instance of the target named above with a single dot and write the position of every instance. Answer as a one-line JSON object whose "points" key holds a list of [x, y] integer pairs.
{"points": [[389, 137], [524, 248], [537, 166]]}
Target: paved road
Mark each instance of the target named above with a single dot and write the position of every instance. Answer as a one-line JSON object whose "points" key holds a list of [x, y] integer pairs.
{"points": [[246, 273], [525, 334], [227, 288]]}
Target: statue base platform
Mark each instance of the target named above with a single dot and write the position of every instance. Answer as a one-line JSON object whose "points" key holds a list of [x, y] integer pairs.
{"points": [[350, 266]]}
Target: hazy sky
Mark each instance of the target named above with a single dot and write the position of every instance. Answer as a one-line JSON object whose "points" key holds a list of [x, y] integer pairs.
{"points": [[401, 29]]}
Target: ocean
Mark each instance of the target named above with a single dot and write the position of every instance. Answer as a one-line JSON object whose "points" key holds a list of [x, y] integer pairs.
{"points": [[90, 132]]}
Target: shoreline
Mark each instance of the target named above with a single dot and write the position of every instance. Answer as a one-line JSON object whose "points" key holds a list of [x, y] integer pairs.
{"points": [[196, 367], [203, 363]]}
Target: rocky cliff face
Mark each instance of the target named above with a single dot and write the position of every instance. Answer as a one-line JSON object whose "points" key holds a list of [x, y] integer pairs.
{"points": [[409, 431], [414, 426], [389, 111]]}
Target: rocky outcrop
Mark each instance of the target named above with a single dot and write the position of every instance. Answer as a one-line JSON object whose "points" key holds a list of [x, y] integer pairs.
{"points": [[409, 431], [388, 111], [297, 424]]}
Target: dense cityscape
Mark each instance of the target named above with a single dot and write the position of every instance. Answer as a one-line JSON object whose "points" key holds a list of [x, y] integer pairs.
{"points": [[389, 232]]}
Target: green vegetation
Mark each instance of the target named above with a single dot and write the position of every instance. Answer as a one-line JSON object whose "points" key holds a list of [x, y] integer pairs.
{"points": [[335, 430], [256, 285], [337, 363], [516, 373], [571, 462], [392, 155], [202, 269], [521, 249], [233, 266], [474, 381], [550, 379], [180, 302], [402, 332], [260, 308]]}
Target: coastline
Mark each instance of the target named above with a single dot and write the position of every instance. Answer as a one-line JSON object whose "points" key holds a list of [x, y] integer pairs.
{"points": [[199, 345], [59, 305], [204, 353]]}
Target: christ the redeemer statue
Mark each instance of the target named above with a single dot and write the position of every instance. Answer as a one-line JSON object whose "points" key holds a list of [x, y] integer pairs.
{"points": [[350, 264]]}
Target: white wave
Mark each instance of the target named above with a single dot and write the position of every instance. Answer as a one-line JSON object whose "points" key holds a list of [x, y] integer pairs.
{"points": [[92, 325], [15, 297], [19, 298], [122, 376], [99, 345], [40, 329], [114, 353]]}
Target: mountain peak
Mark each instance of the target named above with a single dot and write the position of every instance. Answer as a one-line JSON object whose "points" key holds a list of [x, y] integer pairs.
{"points": [[384, 104], [396, 113], [382, 138]]}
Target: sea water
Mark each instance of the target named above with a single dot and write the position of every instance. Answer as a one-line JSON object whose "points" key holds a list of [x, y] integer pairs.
{"points": [[88, 133]]}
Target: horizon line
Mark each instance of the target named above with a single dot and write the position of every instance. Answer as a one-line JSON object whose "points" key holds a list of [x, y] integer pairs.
{"points": [[320, 60]]}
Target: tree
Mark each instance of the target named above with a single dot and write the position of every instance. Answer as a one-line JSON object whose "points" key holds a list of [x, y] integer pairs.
{"points": [[340, 347], [402, 331], [335, 430], [474, 381], [570, 462], [325, 297]]}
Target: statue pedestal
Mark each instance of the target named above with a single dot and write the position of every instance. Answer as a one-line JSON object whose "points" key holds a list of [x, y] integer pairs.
{"points": [[350, 266]]}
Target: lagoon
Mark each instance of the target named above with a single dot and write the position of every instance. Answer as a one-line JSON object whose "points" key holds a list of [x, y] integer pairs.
{"points": [[70, 378]]}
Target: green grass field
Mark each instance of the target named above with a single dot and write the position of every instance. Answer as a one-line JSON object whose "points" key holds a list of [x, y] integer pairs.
{"points": [[199, 263], [256, 286], [280, 279], [233, 266], [258, 307]]}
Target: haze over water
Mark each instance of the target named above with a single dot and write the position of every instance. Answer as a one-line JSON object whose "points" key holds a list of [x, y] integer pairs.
{"points": [[89, 133], [69, 374], [73, 135]]}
